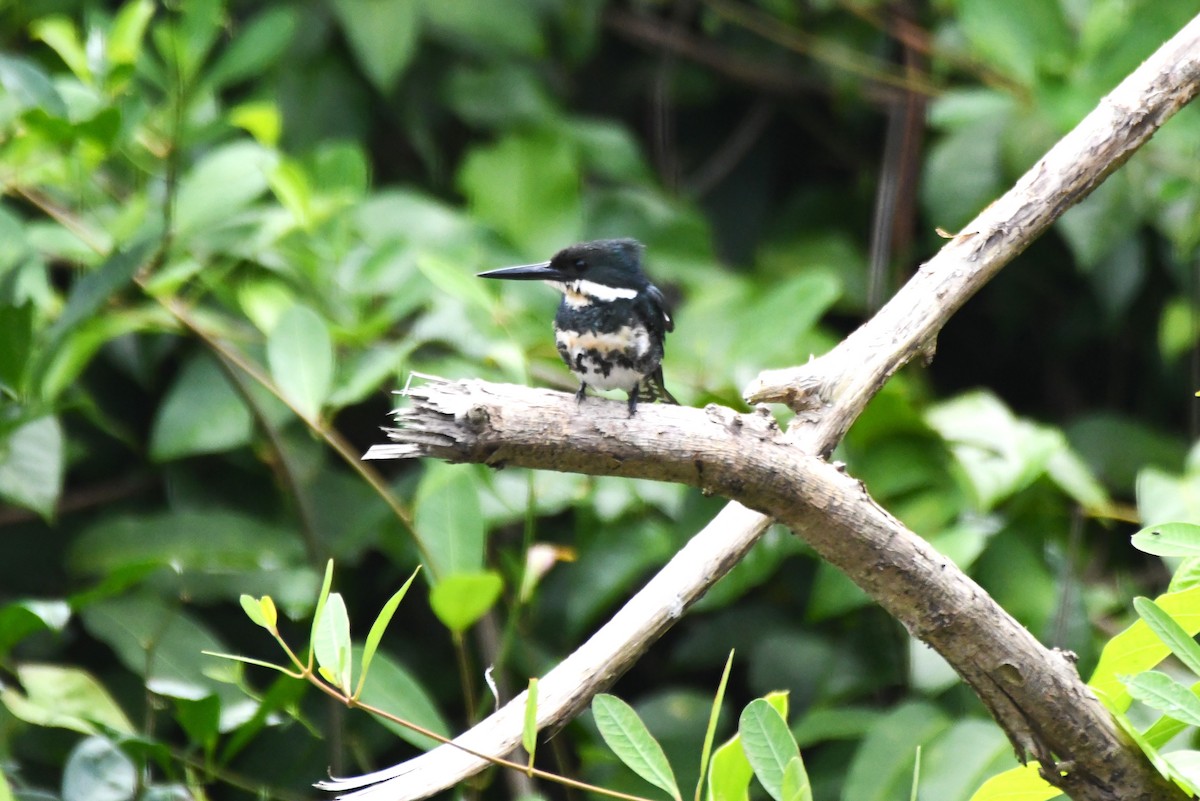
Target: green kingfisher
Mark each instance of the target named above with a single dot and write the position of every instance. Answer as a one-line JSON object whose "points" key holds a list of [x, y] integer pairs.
{"points": [[612, 321]]}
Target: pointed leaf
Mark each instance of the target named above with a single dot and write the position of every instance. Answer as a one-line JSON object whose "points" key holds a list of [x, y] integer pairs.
{"points": [[529, 732], [631, 741], [322, 598], [711, 730], [394, 688], [382, 35], [332, 643], [449, 520], [1161, 692], [768, 744], [300, 355], [1170, 632], [1137, 648], [1169, 539], [379, 627]]}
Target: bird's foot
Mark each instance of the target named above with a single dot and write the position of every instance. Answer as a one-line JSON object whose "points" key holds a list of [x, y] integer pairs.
{"points": [[581, 393]]}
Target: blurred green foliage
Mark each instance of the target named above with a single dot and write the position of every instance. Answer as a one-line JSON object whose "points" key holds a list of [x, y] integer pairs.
{"points": [[228, 229]]}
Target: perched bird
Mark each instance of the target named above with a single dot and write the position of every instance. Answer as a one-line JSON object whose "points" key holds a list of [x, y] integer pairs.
{"points": [[612, 321]]}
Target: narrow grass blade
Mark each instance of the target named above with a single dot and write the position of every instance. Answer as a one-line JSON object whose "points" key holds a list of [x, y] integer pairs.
{"points": [[711, 731]]}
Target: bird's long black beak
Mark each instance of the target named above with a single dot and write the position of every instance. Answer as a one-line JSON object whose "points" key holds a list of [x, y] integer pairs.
{"points": [[542, 271]]}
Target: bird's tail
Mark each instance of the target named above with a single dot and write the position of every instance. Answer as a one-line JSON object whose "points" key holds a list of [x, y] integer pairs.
{"points": [[652, 390]]}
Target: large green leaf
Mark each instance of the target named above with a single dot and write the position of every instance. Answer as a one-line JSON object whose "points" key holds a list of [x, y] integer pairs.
{"points": [[300, 355], [1138, 648], [883, 763], [382, 35], [66, 697], [1160, 691], [220, 186], [257, 45], [32, 465], [164, 645], [632, 742], [203, 541], [449, 521], [1017, 37], [97, 770], [527, 186], [396, 689], [201, 413], [768, 744], [331, 642]]}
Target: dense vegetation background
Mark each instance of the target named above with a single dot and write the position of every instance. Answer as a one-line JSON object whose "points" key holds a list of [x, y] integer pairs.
{"points": [[228, 230]]}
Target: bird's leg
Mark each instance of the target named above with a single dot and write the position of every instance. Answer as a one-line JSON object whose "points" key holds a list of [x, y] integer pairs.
{"points": [[581, 393], [633, 397]]}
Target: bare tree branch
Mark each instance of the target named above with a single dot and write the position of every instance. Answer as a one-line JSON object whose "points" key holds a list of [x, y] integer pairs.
{"points": [[1034, 693]]}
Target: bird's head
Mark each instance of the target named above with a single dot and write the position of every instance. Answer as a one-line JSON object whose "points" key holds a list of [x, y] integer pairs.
{"points": [[606, 269]]}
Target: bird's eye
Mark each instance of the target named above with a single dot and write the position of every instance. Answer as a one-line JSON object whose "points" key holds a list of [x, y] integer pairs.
{"points": [[580, 265]]}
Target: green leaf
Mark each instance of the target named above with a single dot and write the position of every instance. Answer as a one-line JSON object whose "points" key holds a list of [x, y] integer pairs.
{"points": [[375, 635], [258, 44], [768, 744], [163, 645], [396, 689], [201, 413], [795, 785], [94, 290], [882, 764], [254, 610], [128, 30], [1023, 783], [1169, 539], [1170, 632], [711, 730], [16, 332], [529, 731], [527, 186], [332, 642], [30, 87], [1161, 692], [1138, 648], [999, 453], [200, 719], [460, 599], [300, 355], [97, 770], [448, 518], [32, 465], [19, 619], [63, 697], [382, 35], [215, 541], [631, 741], [221, 186], [60, 34], [1017, 37], [291, 186], [729, 773]]}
